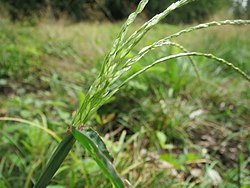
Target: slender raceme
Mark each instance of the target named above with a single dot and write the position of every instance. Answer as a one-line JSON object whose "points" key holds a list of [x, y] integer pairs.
{"points": [[210, 56]]}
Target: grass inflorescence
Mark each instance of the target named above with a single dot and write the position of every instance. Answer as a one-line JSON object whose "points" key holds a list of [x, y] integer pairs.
{"points": [[114, 67]]}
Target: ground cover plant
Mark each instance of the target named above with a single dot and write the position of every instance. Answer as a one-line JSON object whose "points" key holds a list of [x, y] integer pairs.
{"points": [[112, 77]]}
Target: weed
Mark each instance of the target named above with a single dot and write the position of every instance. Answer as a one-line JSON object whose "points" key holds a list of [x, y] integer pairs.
{"points": [[113, 75]]}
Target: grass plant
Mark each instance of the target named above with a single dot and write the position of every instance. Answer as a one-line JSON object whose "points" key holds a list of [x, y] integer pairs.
{"points": [[105, 86], [114, 74]]}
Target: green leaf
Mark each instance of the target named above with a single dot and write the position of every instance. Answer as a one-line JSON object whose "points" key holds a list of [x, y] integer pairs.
{"points": [[162, 138], [172, 160], [56, 160], [98, 151], [98, 140]]}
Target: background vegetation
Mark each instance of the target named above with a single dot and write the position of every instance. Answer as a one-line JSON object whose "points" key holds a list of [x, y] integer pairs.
{"points": [[114, 10], [164, 128]]}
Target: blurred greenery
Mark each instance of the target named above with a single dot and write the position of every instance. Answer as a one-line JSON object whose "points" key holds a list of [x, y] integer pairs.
{"points": [[78, 10], [163, 128], [193, 12]]}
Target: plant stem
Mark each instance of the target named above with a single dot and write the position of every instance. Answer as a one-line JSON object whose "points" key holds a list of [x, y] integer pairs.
{"points": [[55, 161]]}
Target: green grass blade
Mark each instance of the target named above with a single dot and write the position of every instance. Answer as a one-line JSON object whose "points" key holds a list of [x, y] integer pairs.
{"points": [[97, 149], [56, 160], [98, 140], [32, 124]]}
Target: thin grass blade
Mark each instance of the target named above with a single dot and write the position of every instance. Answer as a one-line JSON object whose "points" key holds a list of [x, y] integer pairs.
{"points": [[56, 160], [32, 124]]}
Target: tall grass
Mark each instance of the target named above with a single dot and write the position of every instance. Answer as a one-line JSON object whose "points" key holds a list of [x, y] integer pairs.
{"points": [[112, 76]]}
